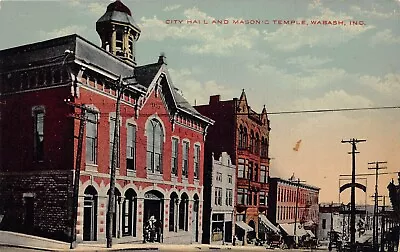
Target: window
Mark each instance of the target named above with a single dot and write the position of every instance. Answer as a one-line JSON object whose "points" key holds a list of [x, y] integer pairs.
{"points": [[174, 158], [230, 179], [257, 147], [263, 198], [229, 195], [244, 137], [91, 138], [264, 147], [39, 135], [255, 199], [241, 137], [155, 138], [263, 174], [218, 176], [196, 161], [241, 173], [323, 223], [255, 172], [252, 141], [242, 196], [112, 132], [185, 159], [218, 196], [130, 147], [250, 171]]}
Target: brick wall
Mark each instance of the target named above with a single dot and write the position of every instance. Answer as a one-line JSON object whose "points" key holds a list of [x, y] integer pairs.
{"points": [[51, 208]]}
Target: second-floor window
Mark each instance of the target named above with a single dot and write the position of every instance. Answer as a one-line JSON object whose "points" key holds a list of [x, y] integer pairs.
{"points": [[218, 196], [263, 198], [196, 161], [241, 168], [241, 196], [131, 147], [185, 158], [219, 176], [263, 174], [112, 132], [39, 135], [174, 157], [155, 138], [229, 195], [91, 138]]}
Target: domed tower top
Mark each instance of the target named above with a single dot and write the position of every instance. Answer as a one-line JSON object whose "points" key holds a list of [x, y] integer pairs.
{"points": [[118, 31]]}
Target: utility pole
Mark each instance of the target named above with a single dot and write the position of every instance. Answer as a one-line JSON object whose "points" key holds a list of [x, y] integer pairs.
{"points": [[353, 152], [331, 229], [375, 231], [296, 209], [82, 122], [383, 215], [119, 90], [375, 220]]}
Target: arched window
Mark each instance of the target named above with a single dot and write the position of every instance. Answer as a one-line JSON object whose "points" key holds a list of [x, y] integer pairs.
{"points": [[252, 141], [241, 137], [155, 137], [257, 151], [245, 137]]}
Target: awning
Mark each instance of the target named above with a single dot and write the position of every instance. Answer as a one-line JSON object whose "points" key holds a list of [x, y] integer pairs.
{"points": [[309, 223], [310, 233], [268, 224], [289, 229], [244, 226]]}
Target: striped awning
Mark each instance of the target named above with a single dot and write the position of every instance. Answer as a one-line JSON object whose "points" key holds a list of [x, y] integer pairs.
{"points": [[268, 224], [244, 226]]}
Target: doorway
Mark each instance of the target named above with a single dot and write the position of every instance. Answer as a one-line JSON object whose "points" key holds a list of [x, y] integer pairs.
{"points": [[90, 214]]}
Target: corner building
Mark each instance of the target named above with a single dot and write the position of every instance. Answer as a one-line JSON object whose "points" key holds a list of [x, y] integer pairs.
{"points": [[160, 147], [244, 135]]}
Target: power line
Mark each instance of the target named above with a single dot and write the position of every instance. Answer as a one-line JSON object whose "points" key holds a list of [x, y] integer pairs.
{"points": [[331, 110]]}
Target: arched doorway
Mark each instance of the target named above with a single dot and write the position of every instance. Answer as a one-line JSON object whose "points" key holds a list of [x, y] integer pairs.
{"points": [[116, 215], [153, 216], [90, 214], [252, 234], [173, 212], [195, 218], [183, 212], [129, 207]]}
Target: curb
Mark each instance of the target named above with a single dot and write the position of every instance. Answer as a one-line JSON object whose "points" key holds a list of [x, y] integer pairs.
{"points": [[25, 247]]}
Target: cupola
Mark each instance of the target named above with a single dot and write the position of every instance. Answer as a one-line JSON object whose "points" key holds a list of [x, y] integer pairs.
{"points": [[119, 32]]}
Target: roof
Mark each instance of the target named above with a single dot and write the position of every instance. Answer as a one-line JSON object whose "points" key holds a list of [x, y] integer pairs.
{"points": [[118, 12], [294, 182], [119, 6]]}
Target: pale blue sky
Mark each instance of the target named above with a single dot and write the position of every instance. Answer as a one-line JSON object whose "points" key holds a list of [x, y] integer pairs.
{"points": [[286, 67]]}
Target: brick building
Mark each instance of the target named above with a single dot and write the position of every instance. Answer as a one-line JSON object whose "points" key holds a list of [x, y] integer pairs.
{"points": [[160, 146], [244, 135], [283, 196]]}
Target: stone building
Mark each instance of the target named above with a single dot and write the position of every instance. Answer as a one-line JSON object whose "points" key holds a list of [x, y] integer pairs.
{"points": [[159, 149], [244, 135], [219, 192]]}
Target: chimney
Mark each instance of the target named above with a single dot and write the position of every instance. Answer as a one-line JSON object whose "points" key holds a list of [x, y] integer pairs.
{"points": [[214, 99]]}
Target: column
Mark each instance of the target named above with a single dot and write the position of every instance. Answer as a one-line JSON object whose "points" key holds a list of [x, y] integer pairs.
{"points": [[119, 216], [165, 222], [139, 218], [113, 40], [176, 209], [79, 222]]}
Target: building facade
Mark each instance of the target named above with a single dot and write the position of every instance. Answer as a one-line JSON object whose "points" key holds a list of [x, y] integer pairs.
{"points": [[160, 145], [244, 135], [219, 200], [288, 197]]}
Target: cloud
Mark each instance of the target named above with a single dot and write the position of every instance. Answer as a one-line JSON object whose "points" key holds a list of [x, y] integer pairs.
{"points": [[72, 29], [172, 7], [384, 37], [388, 85], [373, 13], [290, 38], [205, 38], [307, 61], [194, 90], [96, 8]]}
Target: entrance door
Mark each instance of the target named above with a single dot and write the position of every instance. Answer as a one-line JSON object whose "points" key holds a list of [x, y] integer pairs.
{"points": [[195, 221], [90, 214], [153, 216], [29, 214]]}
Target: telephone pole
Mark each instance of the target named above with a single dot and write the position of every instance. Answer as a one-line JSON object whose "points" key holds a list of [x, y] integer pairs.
{"points": [[375, 220], [296, 209], [353, 153], [119, 88], [383, 216]]}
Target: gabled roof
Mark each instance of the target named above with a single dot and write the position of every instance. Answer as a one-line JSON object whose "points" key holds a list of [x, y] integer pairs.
{"points": [[146, 76]]}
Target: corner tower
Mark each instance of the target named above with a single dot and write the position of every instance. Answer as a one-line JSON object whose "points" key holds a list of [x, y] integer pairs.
{"points": [[119, 32]]}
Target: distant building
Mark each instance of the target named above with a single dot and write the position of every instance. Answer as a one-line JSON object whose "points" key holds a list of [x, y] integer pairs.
{"points": [[244, 135], [219, 200], [330, 219], [159, 149], [284, 195]]}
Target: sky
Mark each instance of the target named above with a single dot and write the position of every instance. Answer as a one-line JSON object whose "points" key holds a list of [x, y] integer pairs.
{"points": [[286, 67]]}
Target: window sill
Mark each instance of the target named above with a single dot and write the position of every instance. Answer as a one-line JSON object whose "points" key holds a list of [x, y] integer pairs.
{"points": [[91, 167], [131, 173], [154, 176]]}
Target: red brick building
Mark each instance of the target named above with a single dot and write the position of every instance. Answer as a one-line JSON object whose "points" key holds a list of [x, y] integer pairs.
{"points": [[283, 195], [244, 135], [160, 146]]}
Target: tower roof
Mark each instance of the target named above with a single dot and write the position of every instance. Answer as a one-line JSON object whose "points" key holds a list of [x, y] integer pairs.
{"points": [[118, 6], [118, 12]]}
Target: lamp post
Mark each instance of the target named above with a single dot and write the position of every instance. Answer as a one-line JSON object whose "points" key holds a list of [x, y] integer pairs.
{"points": [[119, 88]]}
